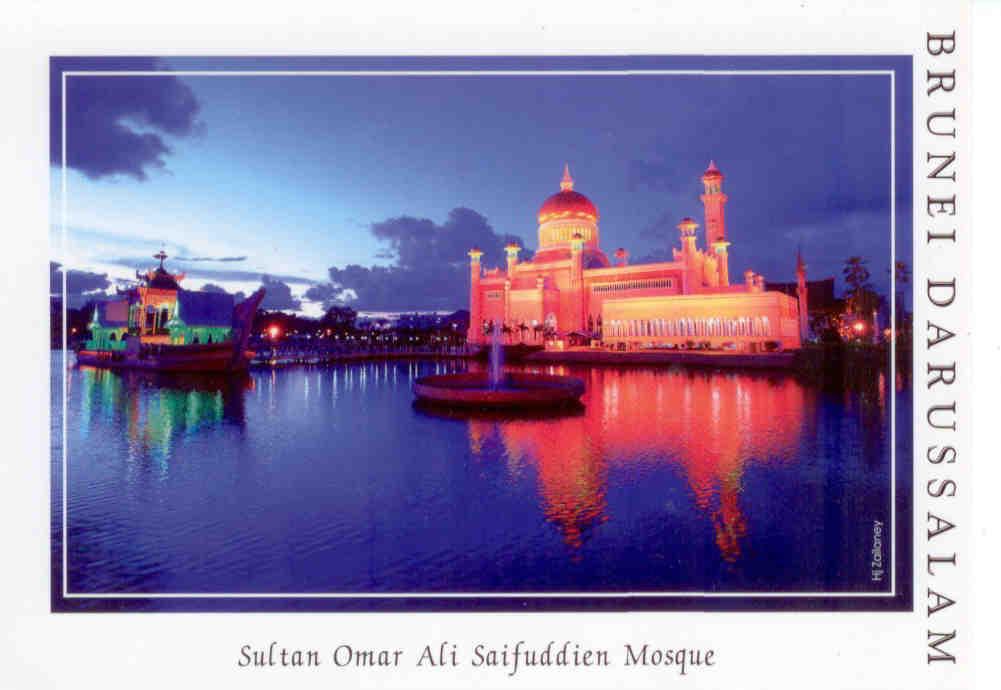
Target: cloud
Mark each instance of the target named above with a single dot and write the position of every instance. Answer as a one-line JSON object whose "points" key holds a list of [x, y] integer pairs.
{"points": [[329, 295], [118, 125], [212, 287], [220, 259], [78, 283], [217, 274], [431, 267], [278, 295]]}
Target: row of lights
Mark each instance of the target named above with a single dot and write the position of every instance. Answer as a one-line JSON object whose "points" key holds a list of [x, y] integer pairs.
{"points": [[274, 332]]}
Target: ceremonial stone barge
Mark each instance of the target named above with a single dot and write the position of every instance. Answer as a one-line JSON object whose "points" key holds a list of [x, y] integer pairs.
{"points": [[157, 325]]}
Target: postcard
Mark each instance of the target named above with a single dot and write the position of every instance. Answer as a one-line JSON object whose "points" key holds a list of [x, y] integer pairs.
{"points": [[517, 367]]}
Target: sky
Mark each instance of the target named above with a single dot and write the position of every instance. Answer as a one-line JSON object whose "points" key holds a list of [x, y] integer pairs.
{"points": [[369, 190]]}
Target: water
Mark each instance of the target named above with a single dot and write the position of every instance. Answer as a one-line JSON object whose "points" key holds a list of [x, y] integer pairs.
{"points": [[496, 354], [329, 479]]}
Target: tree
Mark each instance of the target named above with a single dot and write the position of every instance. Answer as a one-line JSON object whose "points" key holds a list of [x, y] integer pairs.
{"points": [[862, 299], [340, 318], [902, 278]]}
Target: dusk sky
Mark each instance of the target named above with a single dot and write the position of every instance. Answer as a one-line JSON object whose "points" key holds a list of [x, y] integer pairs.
{"points": [[370, 189]]}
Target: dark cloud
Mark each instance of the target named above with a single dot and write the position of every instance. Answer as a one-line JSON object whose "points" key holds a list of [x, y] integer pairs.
{"points": [[212, 287], [278, 295], [815, 173], [219, 274], [329, 295], [431, 268], [116, 125], [78, 283]]}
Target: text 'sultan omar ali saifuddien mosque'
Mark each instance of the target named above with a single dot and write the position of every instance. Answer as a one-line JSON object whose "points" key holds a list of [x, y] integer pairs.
{"points": [[571, 287]]}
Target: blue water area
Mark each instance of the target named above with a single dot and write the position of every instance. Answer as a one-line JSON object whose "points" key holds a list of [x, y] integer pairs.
{"points": [[331, 480]]}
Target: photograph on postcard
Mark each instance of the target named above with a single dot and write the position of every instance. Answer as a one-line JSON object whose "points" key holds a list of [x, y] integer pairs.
{"points": [[562, 333]]}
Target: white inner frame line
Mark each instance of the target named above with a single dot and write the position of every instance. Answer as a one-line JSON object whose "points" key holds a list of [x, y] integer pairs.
{"points": [[491, 595]]}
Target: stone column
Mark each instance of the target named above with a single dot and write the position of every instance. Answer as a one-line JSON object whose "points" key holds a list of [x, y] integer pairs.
{"points": [[577, 282], [723, 257]]}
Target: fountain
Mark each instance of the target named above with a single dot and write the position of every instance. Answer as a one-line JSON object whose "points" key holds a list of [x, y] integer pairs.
{"points": [[496, 389]]}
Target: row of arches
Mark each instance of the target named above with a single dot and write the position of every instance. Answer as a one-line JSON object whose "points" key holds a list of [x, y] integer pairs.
{"points": [[566, 232], [747, 326]]}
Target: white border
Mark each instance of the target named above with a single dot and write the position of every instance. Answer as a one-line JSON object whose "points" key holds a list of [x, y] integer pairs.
{"points": [[891, 383]]}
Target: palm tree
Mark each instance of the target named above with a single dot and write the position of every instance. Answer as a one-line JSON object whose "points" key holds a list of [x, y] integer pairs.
{"points": [[860, 293]]}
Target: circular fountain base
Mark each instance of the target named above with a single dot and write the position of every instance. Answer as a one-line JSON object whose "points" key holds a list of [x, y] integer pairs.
{"points": [[514, 390]]}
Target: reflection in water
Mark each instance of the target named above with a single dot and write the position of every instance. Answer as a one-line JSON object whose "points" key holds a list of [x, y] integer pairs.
{"points": [[159, 409], [710, 426], [332, 479]]}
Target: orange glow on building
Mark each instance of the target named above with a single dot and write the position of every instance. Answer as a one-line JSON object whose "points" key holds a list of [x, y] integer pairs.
{"points": [[570, 286]]}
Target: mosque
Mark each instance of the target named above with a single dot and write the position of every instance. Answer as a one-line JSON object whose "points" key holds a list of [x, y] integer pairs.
{"points": [[572, 291]]}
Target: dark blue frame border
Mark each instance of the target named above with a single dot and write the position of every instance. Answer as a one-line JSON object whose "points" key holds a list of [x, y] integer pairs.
{"points": [[901, 66]]}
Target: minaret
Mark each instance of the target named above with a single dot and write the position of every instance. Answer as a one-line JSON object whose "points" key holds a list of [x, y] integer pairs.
{"points": [[577, 281], [475, 333], [801, 295], [713, 200], [687, 227], [512, 257]]}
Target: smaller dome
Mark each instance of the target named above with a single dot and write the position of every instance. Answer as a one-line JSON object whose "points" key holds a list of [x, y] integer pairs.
{"points": [[687, 226], [712, 173]]}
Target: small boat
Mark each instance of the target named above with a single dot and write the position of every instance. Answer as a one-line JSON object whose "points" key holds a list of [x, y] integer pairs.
{"points": [[158, 326]]}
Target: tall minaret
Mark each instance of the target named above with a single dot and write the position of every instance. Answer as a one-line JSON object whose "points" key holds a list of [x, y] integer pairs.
{"points": [[475, 333], [801, 294], [714, 199]]}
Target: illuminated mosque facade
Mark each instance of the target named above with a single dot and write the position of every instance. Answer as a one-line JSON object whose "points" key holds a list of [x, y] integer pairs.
{"points": [[571, 288]]}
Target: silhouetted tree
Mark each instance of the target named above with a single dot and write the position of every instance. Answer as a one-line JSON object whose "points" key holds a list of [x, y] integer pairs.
{"points": [[862, 299]]}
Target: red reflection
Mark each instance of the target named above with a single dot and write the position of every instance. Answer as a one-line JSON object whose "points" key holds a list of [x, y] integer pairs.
{"points": [[710, 426]]}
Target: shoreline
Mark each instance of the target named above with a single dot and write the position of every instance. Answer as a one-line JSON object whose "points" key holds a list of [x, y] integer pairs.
{"points": [[733, 360]]}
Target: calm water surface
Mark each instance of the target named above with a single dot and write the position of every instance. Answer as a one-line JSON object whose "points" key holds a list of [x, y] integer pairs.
{"points": [[331, 480]]}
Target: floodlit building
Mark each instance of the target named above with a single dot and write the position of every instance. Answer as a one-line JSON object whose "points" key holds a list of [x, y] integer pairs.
{"points": [[158, 312], [572, 291]]}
